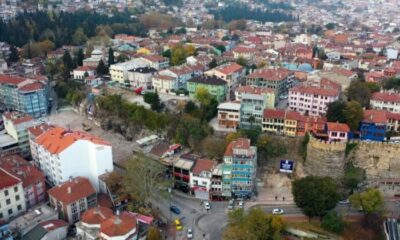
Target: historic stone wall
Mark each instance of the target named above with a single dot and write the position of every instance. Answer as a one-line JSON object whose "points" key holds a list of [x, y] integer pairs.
{"points": [[324, 158], [378, 159]]}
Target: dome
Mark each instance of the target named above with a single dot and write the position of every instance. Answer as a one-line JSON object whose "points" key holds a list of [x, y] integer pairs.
{"points": [[305, 67], [97, 52]]}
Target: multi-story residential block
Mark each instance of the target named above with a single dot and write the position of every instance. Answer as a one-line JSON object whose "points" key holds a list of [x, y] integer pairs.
{"points": [[16, 125], [214, 85], [275, 79], [274, 121], [386, 100], [337, 132], [55, 153], [156, 61], [164, 84], [72, 198], [239, 170], [119, 71], [141, 77], [89, 226], [33, 180], [253, 102], [51, 229], [232, 73], [200, 178], [181, 171], [216, 183], [312, 100], [373, 126], [12, 201], [120, 226], [25, 95], [291, 121], [182, 74], [81, 73], [229, 115], [266, 93]]}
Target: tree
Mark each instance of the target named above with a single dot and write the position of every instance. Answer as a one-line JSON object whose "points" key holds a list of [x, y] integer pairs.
{"points": [[335, 112], [255, 225], [153, 99], [79, 57], [143, 178], [154, 234], [101, 68], [214, 147], [315, 195], [110, 57], [79, 37], [330, 26], [122, 58], [67, 61], [221, 48], [333, 222], [242, 61], [14, 55], [392, 83], [190, 107], [322, 54], [271, 146], [353, 176], [212, 64], [369, 201], [180, 31], [360, 92], [354, 114], [203, 96]]}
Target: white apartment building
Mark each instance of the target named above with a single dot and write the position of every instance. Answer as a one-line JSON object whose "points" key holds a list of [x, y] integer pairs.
{"points": [[386, 100], [61, 154], [312, 100], [229, 115], [141, 77], [12, 200], [119, 71], [156, 61], [200, 178]]}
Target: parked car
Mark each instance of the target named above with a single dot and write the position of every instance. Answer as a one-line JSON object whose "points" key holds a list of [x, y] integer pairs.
{"points": [[278, 211], [178, 224], [241, 204], [231, 204], [189, 234], [175, 210], [346, 201], [207, 205]]}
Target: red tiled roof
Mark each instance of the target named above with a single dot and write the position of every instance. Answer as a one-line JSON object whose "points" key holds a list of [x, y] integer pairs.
{"points": [[17, 117], [72, 190], [229, 150], [118, 225], [386, 97], [32, 87], [230, 68], [315, 90], [241, 143], [57, 139], [22, 169], [274, 113], [38, 130], [7, 180], [203, 165], [393, 116], [338, 127], [254, 90], [11, 79], [375, 116], [292, 115], [344, 72], [97, 215], [85, 68]]}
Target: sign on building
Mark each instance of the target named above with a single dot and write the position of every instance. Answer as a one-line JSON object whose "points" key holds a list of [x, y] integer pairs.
{"points": [[286, 166]]}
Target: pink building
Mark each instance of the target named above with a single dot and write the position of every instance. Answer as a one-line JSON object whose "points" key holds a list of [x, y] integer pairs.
{"points": [[337, 132], [312, 100]]}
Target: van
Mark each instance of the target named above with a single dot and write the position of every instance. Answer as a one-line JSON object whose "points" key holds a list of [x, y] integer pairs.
{"points": [[178, 225]]}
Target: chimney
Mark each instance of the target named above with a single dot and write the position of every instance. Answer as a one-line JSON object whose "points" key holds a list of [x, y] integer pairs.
{"points": [[69, 190]]}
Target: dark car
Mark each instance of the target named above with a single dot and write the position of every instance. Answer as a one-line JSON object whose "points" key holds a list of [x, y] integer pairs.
{"points": [[175, 210]]}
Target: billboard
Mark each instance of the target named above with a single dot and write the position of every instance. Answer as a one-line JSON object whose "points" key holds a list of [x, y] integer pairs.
{"points": [[286, 166]]}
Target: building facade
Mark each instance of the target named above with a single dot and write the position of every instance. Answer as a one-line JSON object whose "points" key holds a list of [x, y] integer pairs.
{"points": [[239, 169], [386, 100], [214, 85], [12, 201], [374, 125], [229, 115], [276, 79]]}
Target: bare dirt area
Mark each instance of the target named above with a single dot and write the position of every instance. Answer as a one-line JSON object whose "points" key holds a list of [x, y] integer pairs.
{"points": [[122, 149]]}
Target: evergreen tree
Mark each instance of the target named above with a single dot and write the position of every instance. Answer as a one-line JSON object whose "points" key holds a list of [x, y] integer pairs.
{"points": [[14, 56], [213, 63], [110, 57], [102, 69], [67, 60], [29, 52], [79, 57]]}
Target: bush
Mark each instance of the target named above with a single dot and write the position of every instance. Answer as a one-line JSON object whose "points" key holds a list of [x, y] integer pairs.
{"points": [[333, 222]]}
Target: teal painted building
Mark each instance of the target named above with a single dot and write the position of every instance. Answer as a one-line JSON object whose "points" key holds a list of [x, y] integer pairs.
{"points": [[216, 86]]}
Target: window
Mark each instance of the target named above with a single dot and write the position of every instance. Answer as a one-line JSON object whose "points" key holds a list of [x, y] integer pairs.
{"points": [[6, 193], [8, 201], [15, 189], [19, 207], [10, 211], [17, 198]]}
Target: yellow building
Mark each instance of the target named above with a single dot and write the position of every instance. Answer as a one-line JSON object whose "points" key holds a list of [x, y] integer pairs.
{"points": [[144, 51], [291, 121]]}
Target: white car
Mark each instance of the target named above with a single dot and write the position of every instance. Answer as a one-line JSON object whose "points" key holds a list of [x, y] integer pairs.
{"points": [[277, 211], [189, 234], [207, 205], [346, 201], [241, 204]]}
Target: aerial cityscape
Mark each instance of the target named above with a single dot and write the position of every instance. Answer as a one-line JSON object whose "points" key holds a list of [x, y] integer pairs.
{"points": [[199, 119]]}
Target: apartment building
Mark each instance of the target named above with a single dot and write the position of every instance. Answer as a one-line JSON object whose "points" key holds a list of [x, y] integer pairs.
{"points": [[386, 100], [253, 101], [239, 169], [55, 153], [216, 183], [232, 73], [16, 138], [229, 115], [89, 226], [312, 100], [33, 180], [267, 93], [25, 95], [72, 198], [276, 79], [156, 61], [119, 71], [12, 201], [200, 178], [214, 85], [141, 77]]}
